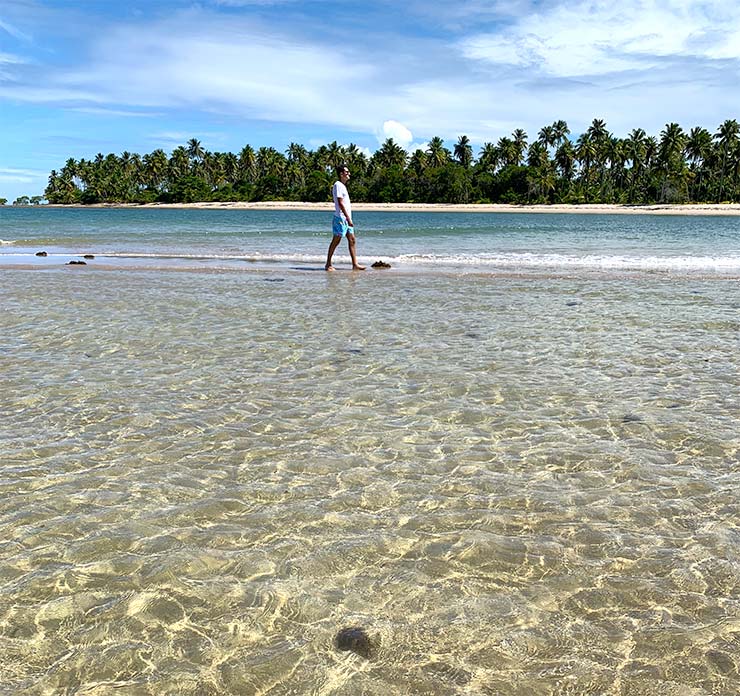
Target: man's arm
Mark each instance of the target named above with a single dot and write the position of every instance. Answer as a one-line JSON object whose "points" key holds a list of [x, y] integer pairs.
{"points": [[344, 210]]}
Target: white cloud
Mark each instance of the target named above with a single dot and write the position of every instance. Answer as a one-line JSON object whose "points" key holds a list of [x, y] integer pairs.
{"points": [[13, 31], [400, 134], [98, 111], [594, 37], [21, 176], [248, 3], [177, 138], [634, 64], [211, 64], [8, 60]]}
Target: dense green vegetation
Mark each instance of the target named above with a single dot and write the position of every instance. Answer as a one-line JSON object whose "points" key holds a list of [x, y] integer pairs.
{"points": [[24, 200], [597, 167]]}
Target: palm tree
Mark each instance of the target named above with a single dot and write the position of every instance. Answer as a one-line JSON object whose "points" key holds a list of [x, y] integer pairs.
{"points": [[71, 171], [541, 175], [616, 152], [390, 154], [195, 150], [651, 151], [560, 131], [419, 162], [437, 152], [297, 153], [155, 168], [230, 166], [519, 138], [537, 155], [635, 150], [270, 162], [541, 180], [356, 160], [670, 157], [698, 149], [247, 164], [597, 130], [464, 151], [127, 174], [214, 169], [565, 158], [298, 160], [600, 138], [508, 152], [698, 145], [734, 167], [727, 138], [335, 155], [585, 154], [546, 136], [179, 163], [488, 158]]}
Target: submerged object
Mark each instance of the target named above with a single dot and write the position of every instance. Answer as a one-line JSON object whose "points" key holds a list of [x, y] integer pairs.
{"points": [[77, 263], [41, 253], [381, 264], [356, 639]]}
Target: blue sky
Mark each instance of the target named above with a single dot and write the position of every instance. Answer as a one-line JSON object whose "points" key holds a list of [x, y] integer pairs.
{"points": [[87, 76]]}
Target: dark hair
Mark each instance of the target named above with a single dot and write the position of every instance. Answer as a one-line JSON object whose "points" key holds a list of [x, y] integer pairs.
{"points": [[341, 168]]}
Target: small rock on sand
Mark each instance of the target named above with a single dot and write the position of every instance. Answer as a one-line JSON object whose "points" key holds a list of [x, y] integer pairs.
{"points": [[356, 639]]}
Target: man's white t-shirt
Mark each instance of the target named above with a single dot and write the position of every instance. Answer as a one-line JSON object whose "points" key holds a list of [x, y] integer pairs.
{"points": [[339, 190]]}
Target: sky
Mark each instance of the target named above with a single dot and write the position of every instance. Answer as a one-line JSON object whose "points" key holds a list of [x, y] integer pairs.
{"points": [[78, 77]]}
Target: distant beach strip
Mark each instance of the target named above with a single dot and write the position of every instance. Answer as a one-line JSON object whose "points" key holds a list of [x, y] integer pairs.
{"points": [[712, 209]]}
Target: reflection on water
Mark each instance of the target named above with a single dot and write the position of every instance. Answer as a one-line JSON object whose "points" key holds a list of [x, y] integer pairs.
{"points": [[515, 486]]}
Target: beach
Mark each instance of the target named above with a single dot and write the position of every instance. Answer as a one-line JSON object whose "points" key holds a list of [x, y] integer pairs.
{"points": [[593, 209], [511, 459]]}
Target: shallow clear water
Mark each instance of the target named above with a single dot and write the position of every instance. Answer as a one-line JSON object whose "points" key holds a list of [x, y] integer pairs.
{"points": [[516, 484]]}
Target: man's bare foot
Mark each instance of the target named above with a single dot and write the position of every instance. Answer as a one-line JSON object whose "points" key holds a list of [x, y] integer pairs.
{"points": [[328, 268], [357, 267]]}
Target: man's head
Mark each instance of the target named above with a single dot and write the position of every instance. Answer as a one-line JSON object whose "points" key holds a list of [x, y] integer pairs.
{"points": [[343, 173]]}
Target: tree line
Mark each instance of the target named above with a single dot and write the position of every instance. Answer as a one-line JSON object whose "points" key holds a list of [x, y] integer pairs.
{"points": [[596, 167]]}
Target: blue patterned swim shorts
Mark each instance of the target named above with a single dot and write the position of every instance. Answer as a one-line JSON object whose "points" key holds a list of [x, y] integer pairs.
{"points": [[340, 228]]}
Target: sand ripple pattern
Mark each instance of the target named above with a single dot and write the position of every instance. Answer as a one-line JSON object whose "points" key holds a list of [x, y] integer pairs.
{"points": [[521, 486]]}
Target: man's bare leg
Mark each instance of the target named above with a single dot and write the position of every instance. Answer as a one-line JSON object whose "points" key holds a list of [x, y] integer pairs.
{"points": [[332, 247], [351, 243]]}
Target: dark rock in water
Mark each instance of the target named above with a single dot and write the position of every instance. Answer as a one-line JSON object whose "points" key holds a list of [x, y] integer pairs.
{"points": [[632, 418], [471, 334], [355, 639], [572, 303], [41, 253], [381, 264], [77, 263], [88, 256], [274, 280]]}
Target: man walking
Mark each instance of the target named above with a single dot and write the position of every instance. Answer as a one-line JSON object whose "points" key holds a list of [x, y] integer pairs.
{"points": [[342, 225]]}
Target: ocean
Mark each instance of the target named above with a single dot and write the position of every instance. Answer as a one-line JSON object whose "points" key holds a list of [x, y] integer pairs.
{"points": [[239, 239], [511, 461]]}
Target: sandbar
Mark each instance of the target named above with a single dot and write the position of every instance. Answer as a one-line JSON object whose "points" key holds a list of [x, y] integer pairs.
{"points": [[716, 209]]}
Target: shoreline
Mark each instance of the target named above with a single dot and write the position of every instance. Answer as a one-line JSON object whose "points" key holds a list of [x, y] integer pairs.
{"points": [[709, 209]]}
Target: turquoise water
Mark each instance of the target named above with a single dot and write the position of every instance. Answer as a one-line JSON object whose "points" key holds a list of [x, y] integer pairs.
{"points": [[517, 478], [472, 241]]}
